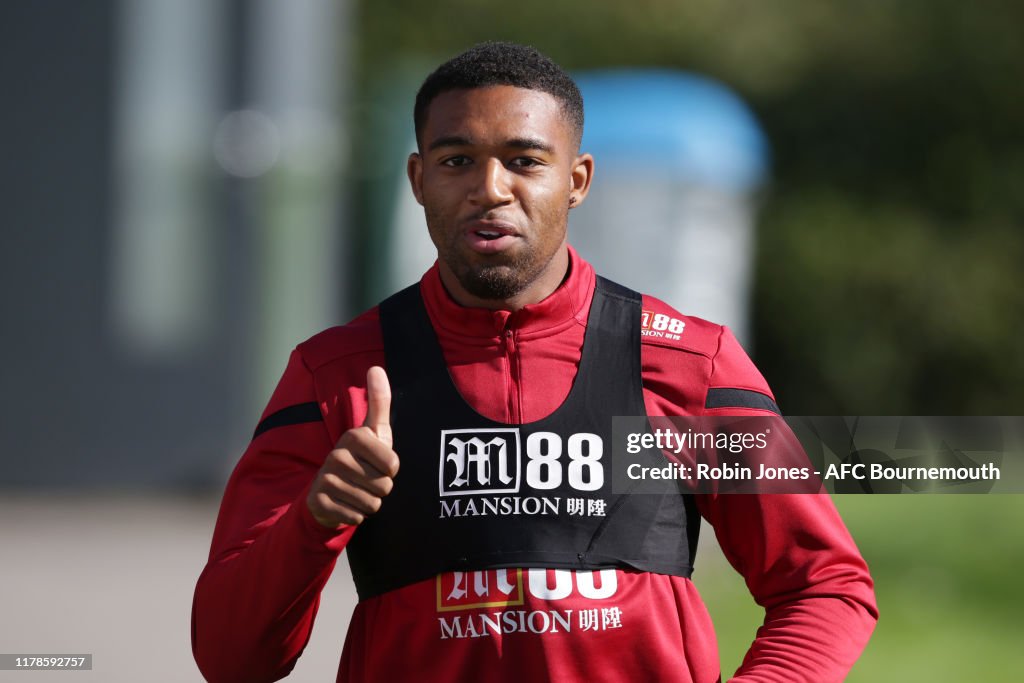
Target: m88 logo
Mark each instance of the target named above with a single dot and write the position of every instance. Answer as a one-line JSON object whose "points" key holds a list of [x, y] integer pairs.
{"points": [[487, 461], [660, 325]]}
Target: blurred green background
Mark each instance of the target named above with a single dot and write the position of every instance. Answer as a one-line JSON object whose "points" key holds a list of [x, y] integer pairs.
{"points": [[889, 257], [946, 574]]}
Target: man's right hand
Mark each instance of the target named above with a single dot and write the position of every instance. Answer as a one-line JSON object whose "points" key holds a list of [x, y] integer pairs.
{"points": [[360, 470]]}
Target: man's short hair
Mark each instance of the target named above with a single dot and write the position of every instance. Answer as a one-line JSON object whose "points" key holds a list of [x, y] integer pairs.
{"points": [[498, 63]]}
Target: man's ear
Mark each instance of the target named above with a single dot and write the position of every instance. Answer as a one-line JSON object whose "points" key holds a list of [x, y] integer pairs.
{"points": [[579, 179], [414, 169]]}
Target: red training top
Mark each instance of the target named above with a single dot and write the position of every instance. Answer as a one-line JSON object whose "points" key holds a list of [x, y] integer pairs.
{"points": [[256, 600]]}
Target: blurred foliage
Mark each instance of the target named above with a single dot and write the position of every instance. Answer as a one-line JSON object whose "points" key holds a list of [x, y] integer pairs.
{"points": [[888, 273], [945, 583]]}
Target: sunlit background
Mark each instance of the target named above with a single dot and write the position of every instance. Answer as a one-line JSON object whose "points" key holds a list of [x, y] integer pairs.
{"points": [[191, 187]]}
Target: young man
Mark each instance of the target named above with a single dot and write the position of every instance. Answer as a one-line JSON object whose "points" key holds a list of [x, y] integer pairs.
{"points": [[452, 440]]}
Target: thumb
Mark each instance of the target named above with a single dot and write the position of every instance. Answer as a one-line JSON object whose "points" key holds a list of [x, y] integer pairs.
{"points": [[378, 401]]}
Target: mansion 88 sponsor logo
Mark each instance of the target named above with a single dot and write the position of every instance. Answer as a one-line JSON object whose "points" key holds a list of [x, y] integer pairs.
{"points": [[477, 465], [496, 602], [478, 461]]}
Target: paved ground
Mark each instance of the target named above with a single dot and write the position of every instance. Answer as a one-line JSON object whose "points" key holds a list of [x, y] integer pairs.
{"points": [[114, 577]]}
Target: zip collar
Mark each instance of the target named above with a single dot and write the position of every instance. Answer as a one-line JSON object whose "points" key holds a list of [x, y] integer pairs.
{"points": [[568, 305]]}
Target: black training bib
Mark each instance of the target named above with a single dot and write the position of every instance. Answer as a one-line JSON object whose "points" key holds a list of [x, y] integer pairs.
{"points": [[477, 494]]}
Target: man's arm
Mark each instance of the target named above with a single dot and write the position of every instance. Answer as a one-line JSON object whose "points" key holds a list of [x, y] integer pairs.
{"points": [[801, 565], [257, 598], [797, 559]]}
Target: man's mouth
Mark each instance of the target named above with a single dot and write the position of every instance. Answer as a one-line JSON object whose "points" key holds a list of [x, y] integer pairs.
{"points": [[490, 237]]}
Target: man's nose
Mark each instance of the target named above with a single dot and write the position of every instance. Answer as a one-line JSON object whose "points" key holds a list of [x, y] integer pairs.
{"points": [[492, 185]]}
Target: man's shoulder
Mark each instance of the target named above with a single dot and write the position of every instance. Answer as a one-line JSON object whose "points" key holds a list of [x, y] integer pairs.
{"points": [[664, 326], [361, 335], [714, 361]]}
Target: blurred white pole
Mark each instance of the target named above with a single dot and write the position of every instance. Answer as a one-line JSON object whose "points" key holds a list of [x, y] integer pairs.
{"points": [[299, 73], [161, 258]]}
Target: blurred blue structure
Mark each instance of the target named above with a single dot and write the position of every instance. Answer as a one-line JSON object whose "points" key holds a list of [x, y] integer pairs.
{"points": [[678, 160], [687, 126]]}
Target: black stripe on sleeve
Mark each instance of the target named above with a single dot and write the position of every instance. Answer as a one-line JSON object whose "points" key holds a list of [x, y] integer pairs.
{"points": [[292, 415], [740, 398]]}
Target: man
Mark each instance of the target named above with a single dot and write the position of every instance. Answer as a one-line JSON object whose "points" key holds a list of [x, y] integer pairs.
{"points": [[452, 440]]}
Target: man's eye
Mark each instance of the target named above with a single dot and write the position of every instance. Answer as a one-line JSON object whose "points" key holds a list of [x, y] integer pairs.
{"points": [[524, 162], [455, 161]]}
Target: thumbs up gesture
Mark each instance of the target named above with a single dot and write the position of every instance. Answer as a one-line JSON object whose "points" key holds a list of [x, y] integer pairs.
{"points": [[360, 471]]}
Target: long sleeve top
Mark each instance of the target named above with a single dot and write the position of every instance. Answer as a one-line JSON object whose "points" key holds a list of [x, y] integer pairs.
{"points": [[257, 598]]}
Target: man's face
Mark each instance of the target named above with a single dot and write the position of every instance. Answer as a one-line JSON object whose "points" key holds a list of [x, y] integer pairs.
{"points": [[496, 175]]}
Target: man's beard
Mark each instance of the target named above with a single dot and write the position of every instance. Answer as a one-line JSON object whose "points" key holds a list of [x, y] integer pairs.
{"points": [[498, 281]]}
